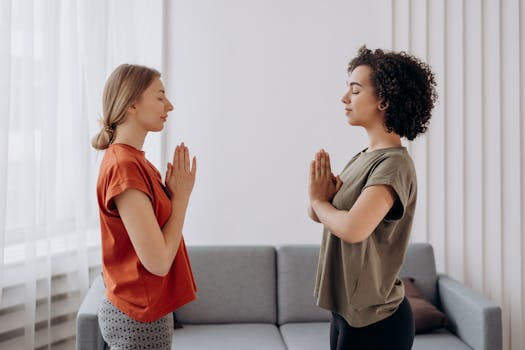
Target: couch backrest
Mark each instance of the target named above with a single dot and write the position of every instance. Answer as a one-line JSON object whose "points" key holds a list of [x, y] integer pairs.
{"points": [[421, 266], [235, 284], [296, 271]]}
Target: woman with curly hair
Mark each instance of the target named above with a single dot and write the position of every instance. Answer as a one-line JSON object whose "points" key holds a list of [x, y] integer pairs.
{"points": [[367, 211]]}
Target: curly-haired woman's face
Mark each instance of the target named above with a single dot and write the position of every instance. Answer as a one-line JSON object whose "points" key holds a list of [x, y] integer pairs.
{"points": [[361, 103]]}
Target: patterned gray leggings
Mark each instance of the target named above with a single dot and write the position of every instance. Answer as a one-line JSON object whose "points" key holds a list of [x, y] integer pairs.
{"points": [[122, 332]]}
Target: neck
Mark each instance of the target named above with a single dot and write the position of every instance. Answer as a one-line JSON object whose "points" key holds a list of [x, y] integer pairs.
{"points": [[380, 138], [129, 135]]}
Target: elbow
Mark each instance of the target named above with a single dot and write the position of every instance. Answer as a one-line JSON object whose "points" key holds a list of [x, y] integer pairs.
{"points": [[159, 272], [353, 236], [158, 266], [315, 219]]}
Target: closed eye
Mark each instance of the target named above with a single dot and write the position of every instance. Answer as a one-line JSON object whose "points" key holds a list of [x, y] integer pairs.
{"points": [[355, 87]]}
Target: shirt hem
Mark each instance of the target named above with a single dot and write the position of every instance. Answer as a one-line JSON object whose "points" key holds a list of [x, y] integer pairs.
{"points": [[361, 323], [148, 315]]}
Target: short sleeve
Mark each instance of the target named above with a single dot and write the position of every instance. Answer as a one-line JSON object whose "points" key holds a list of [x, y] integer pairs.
{"points": [[123, 175], [397, 172]]}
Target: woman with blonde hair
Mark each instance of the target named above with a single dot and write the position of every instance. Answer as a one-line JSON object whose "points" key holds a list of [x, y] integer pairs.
{"points": [[145, 263]]}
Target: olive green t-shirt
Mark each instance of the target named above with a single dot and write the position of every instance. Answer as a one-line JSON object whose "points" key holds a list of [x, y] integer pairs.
{"points": [[360, 281]]}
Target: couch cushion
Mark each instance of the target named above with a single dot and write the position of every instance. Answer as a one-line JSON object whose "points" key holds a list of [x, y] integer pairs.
{"points": [[306, 336], [296, 271], [235, 284], [227, 337], [316, 336], [439, 340], [420, 265]]}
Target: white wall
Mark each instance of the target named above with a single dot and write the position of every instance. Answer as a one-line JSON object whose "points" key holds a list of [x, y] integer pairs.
{"points": [[256, 87]]}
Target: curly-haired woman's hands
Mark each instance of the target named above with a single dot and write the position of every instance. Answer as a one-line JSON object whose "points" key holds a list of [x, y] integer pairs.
{"points": [[323, 185], [180, 177]]}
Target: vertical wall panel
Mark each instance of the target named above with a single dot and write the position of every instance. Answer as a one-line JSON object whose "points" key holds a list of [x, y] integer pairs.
{"points": [[511, 159], [418, 147], [454, 112], [402, 42], [436, 135], [492, 151], [474, 231], [401, 25], [522, 148], [389, 27]]}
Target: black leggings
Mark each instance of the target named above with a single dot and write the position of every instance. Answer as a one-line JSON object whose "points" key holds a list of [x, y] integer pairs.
{"points": [[394, 332]]}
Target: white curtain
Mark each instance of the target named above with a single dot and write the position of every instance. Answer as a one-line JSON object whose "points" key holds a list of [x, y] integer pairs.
{"points": [[54, 58]]}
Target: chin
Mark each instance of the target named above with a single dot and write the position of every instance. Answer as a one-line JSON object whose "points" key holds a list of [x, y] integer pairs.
{"points": [[157, 129], [352, 121]]}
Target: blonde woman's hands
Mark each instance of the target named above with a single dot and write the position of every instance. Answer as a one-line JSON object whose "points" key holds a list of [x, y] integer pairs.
{"points": [[323, 184], [180, 177]]}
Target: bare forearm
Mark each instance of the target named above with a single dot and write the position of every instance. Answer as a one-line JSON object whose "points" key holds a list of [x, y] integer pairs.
{"points": [[172, 230], [357, 224], [336, 221]]}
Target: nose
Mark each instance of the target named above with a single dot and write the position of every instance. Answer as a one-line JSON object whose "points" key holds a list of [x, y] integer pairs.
{"points": [[346, 98], [169, 106]]}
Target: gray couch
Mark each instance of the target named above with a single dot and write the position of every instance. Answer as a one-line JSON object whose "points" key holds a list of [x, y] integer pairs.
{"points": [[260, 297]]}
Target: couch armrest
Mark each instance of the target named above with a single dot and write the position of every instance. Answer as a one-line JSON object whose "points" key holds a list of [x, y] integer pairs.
{"points": [[88, 332], [475, 319]]}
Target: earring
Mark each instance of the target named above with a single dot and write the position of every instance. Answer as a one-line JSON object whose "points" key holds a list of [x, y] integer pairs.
{"points": [[382, 106]]}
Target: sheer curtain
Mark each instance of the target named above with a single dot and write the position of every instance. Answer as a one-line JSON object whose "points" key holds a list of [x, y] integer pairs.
{"points": [[54, 58]]}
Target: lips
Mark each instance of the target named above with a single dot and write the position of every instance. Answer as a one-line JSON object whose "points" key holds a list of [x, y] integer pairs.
{"points": [[164, 118]]}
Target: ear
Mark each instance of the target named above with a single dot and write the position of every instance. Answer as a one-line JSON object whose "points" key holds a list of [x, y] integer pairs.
{"points": [[383, 106], [132, 109]]}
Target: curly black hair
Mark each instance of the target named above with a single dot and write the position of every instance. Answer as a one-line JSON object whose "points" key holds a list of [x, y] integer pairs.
{"points": [[404, 82]]}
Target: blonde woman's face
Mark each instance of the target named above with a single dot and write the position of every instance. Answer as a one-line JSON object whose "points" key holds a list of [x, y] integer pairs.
{"points": [[151, 109]]}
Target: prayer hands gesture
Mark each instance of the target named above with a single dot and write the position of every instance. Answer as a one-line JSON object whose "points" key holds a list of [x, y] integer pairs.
{"points": [[180, 178], [323, 185]]}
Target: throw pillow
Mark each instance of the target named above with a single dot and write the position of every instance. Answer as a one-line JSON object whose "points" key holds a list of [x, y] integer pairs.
{"points": [[426, 316]]}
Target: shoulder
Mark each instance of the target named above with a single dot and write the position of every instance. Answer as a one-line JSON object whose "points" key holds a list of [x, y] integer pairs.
{"points": [[393, 166], [396, 159], [119, 161], [120, 170], [118, 155]]}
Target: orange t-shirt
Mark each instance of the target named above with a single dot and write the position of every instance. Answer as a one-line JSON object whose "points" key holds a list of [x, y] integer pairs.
{"points": [[138, 293]]}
